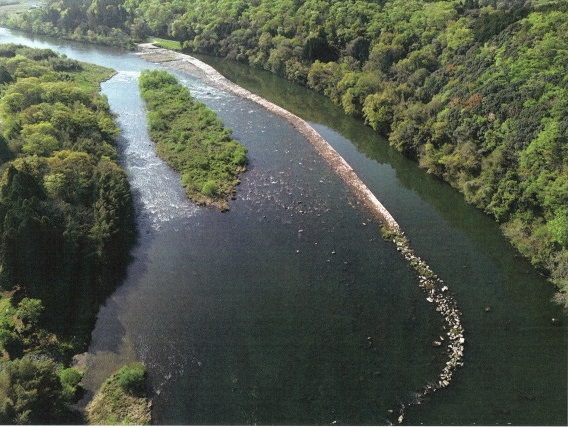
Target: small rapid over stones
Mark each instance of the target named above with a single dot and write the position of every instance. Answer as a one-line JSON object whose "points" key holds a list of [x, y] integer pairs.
{"points": [[183, 62], [436, 292]]}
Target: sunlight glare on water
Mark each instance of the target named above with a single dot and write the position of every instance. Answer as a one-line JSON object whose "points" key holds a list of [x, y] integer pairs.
{"points": [[149, 175]]}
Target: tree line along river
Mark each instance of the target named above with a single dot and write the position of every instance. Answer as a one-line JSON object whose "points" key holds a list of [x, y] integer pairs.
{"points": [[291, 308]]}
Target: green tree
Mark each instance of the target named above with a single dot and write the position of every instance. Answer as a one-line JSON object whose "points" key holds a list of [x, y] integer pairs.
{"points": [[30, 392]]}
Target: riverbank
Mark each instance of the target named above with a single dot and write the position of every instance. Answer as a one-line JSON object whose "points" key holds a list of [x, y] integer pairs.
{"points": [[437, 293]]}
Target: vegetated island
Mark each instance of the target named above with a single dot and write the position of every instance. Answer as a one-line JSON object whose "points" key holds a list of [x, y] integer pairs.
{"points": [[192, 140], [66, 231]]}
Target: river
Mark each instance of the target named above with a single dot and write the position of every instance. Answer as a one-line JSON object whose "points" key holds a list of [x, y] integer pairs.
{"points": [[290, 308]]}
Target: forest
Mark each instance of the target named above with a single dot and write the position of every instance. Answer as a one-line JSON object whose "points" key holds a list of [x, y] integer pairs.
{"points": [[66, 231], [192, 140], [476, 91]]}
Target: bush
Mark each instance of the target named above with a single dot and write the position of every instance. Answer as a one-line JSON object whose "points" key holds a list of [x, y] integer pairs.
{"points": [[70, 379], [209, 188], [131, 378]]}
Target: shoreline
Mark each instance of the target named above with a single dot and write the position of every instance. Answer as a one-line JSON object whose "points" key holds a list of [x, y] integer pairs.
{"points": [[437, 293]]}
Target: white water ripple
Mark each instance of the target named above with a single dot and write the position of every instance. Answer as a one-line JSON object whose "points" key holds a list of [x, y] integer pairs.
{"points": [[159, 193]]}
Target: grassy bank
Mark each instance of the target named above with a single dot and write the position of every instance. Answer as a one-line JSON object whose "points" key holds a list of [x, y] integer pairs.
{"points": [[165, 43], [122, 400]]}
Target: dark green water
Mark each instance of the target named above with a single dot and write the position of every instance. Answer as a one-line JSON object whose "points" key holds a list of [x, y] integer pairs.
{"points": [[504, 380], [290, 309]]}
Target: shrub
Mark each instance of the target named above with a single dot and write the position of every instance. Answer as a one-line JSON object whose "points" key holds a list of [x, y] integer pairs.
{"points": [[131, 378], [209, 188], [70, 379]]}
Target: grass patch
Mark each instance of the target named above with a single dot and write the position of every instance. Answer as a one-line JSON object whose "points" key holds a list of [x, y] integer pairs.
{"points": [[92, 76], [166, 44], [121, 400], [12, 7]]}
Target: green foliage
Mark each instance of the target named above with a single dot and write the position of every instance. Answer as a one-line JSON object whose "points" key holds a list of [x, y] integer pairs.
{"points": [[209, 189], [66, 225], [121, 400], [192, 140], [70, 379], [30, 392], [34, 388], [131, 378], [65, 203], [475, 90], [97, 22], [20, 332], [28, 313]]}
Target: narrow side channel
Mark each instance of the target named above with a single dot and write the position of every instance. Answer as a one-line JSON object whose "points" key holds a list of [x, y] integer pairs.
{"points": [[437, 293]]}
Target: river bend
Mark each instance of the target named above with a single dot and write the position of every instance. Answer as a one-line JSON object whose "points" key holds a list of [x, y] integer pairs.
{"points": [[290, 309]]}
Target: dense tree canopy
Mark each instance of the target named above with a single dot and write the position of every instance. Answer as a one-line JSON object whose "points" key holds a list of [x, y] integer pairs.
{"points": [[475, 90], [64, 201], [66, 226], [34, 387]]}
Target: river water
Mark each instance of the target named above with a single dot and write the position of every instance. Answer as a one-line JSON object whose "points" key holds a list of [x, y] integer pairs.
{"points": [[290, 308]]}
